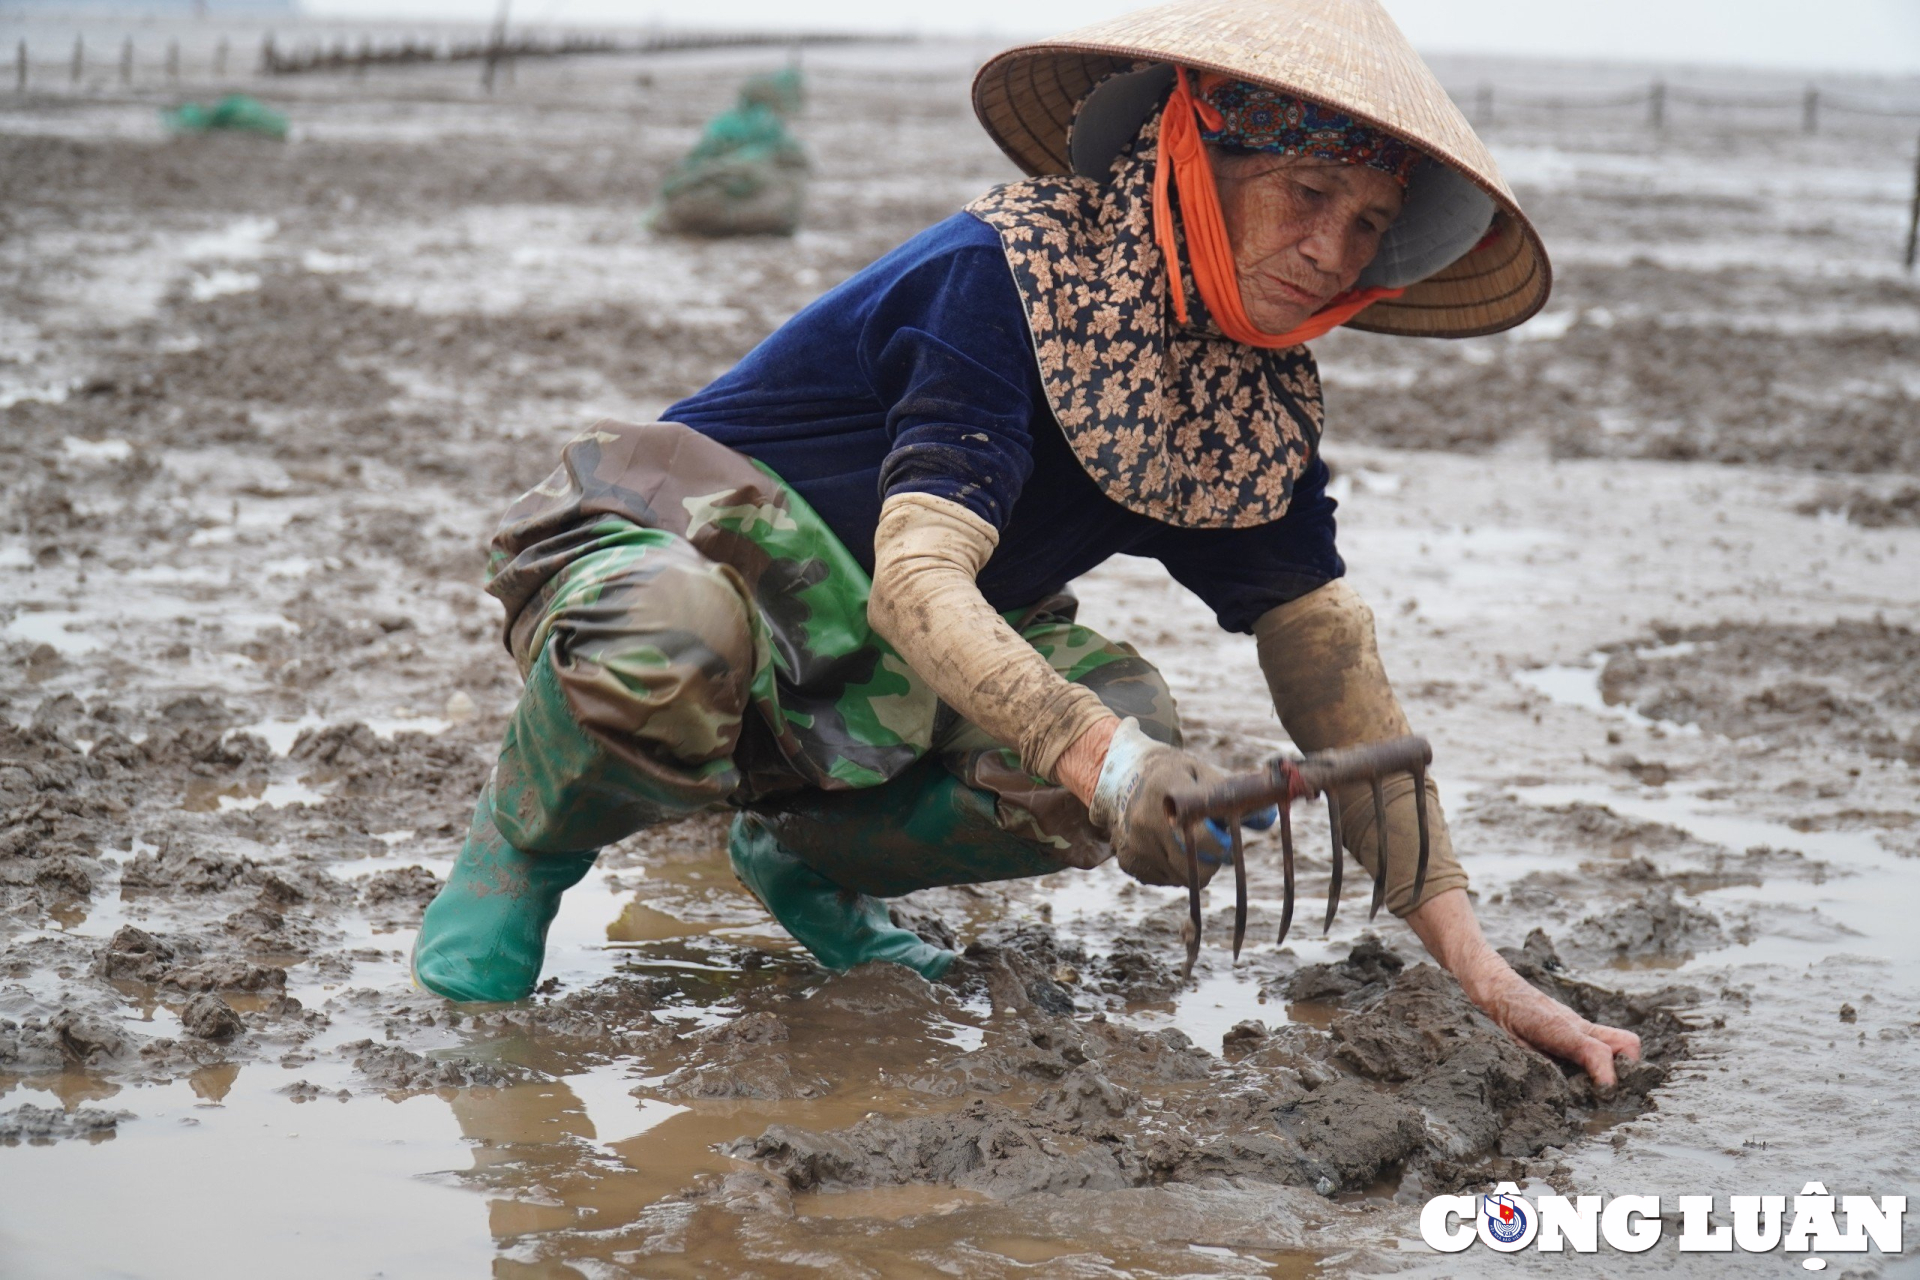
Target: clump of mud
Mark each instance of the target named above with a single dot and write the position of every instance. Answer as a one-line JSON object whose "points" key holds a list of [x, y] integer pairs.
{"points": [[66, 1040], [208, 1017], [1854, 684], [737, 1060], [43, 1126], [1867, 509], [399, 1070], [1408, 1082], [106, 806], [1650, 926], [1655, 914]]}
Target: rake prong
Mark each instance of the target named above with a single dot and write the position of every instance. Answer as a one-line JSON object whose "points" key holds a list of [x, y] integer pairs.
{"points": [[1192, 834], [1239, 884], [1333, 891], [1224, 805], [1420, 813], [1286, 869], [1380, 835]]}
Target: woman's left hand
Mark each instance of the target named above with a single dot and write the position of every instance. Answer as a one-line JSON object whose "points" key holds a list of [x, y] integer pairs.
{"points": [[1447, 926]]}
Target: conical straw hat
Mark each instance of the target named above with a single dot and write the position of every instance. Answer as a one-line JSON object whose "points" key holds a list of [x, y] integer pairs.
{"points": [[1345, 54]]}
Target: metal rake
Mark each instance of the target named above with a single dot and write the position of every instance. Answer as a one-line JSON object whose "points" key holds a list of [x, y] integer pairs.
{"points": [[1279, 783]]}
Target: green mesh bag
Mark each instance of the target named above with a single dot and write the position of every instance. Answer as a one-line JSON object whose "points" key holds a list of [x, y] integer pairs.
{"points": [[782, 91], [236, 112], [747, 175]]}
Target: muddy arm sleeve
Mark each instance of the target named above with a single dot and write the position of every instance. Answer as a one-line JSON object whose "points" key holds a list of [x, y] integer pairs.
{"points": [[927, 552], [1323, 667]]}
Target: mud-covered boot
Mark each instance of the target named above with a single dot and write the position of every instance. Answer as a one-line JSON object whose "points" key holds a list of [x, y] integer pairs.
{"points": [[841, 928], [484, 936]]}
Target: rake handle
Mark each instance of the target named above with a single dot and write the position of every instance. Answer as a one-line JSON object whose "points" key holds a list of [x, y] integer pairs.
{"points": [[1281, 781]]}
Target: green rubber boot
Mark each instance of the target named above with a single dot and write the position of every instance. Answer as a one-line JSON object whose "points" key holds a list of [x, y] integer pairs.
{"points": [[484, 936], [841, 928]]}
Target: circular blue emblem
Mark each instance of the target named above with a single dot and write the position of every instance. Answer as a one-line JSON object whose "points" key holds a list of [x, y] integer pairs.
{"points": [[1506, 1217]]}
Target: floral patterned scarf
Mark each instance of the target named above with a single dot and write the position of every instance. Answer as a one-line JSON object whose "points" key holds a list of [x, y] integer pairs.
{"points": [[1175, 421]]}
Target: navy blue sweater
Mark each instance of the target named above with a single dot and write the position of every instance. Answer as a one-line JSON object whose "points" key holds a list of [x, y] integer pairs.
{"points": [[918, 376]]}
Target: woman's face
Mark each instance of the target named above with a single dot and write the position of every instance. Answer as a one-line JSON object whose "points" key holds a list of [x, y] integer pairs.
{"points": [[1302, 229]]}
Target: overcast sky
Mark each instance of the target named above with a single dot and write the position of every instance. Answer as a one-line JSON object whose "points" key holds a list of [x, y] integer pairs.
{"points": [[1864, 35]]}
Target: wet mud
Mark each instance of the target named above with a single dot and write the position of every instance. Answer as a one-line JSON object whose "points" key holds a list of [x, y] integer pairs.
{"points": [[1852, 683], [258, 410], [28, 1123], [1614, 387], [1409, 1084], [1867, 508]]}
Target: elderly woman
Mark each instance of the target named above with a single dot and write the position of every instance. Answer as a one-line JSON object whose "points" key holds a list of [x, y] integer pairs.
{"points": [[830, 592]]}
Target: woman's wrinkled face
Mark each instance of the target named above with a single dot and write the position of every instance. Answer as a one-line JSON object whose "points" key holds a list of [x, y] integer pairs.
{"points": [[1302, 229]]}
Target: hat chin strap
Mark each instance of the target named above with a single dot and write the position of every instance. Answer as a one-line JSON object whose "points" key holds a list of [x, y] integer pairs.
{"points": [[1183, 157]]}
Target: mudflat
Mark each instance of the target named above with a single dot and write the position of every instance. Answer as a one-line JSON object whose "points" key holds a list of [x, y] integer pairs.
{"points": [[1646, 570]]}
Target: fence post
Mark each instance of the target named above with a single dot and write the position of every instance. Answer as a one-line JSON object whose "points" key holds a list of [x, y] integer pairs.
{"points": [[220, 59], [1657, 105], [173, 62], [20, 69], [79, 59], [495, 41], [1810, 111], [1483, 105], [126, 61], [268, 58], [1913, 216]]}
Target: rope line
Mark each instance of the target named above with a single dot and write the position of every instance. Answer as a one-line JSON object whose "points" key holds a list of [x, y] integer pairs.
{"points": [[1814, 99]]}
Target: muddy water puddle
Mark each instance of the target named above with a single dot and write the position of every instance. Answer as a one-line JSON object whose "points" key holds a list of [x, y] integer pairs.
{"points": [[327, 1189], [435, 1183], [586, 1165], [281, 733], [239, 797], [1095, 908], [1578, 685], [1857, 901], [1820, 885]]}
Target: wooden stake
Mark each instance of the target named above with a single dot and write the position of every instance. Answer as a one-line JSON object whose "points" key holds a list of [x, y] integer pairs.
{"points": [[1810, 111], [1657, 105], [79, 59], [1913, 217], [494, 46], [20, 69], [126, 62]]}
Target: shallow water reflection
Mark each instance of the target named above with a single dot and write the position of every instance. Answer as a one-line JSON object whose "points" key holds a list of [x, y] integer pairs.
{"points": [[584, 1172]]}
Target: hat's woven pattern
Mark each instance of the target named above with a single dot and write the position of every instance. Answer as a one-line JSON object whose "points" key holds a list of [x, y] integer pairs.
{"points": [[1346, 54]]}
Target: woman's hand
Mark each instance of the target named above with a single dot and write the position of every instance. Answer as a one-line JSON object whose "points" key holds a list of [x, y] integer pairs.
{"points": [[1452, 936], [1129, 803]]}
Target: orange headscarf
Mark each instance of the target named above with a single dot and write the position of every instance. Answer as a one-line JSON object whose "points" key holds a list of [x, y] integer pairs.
{"points": [[1183, 157]]}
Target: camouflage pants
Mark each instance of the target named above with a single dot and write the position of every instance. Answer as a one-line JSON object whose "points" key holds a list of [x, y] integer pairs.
{"points": [[695, 637]]}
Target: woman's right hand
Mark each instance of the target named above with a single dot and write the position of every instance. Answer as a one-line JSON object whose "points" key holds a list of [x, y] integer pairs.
{"points": [[1129, 802]]}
